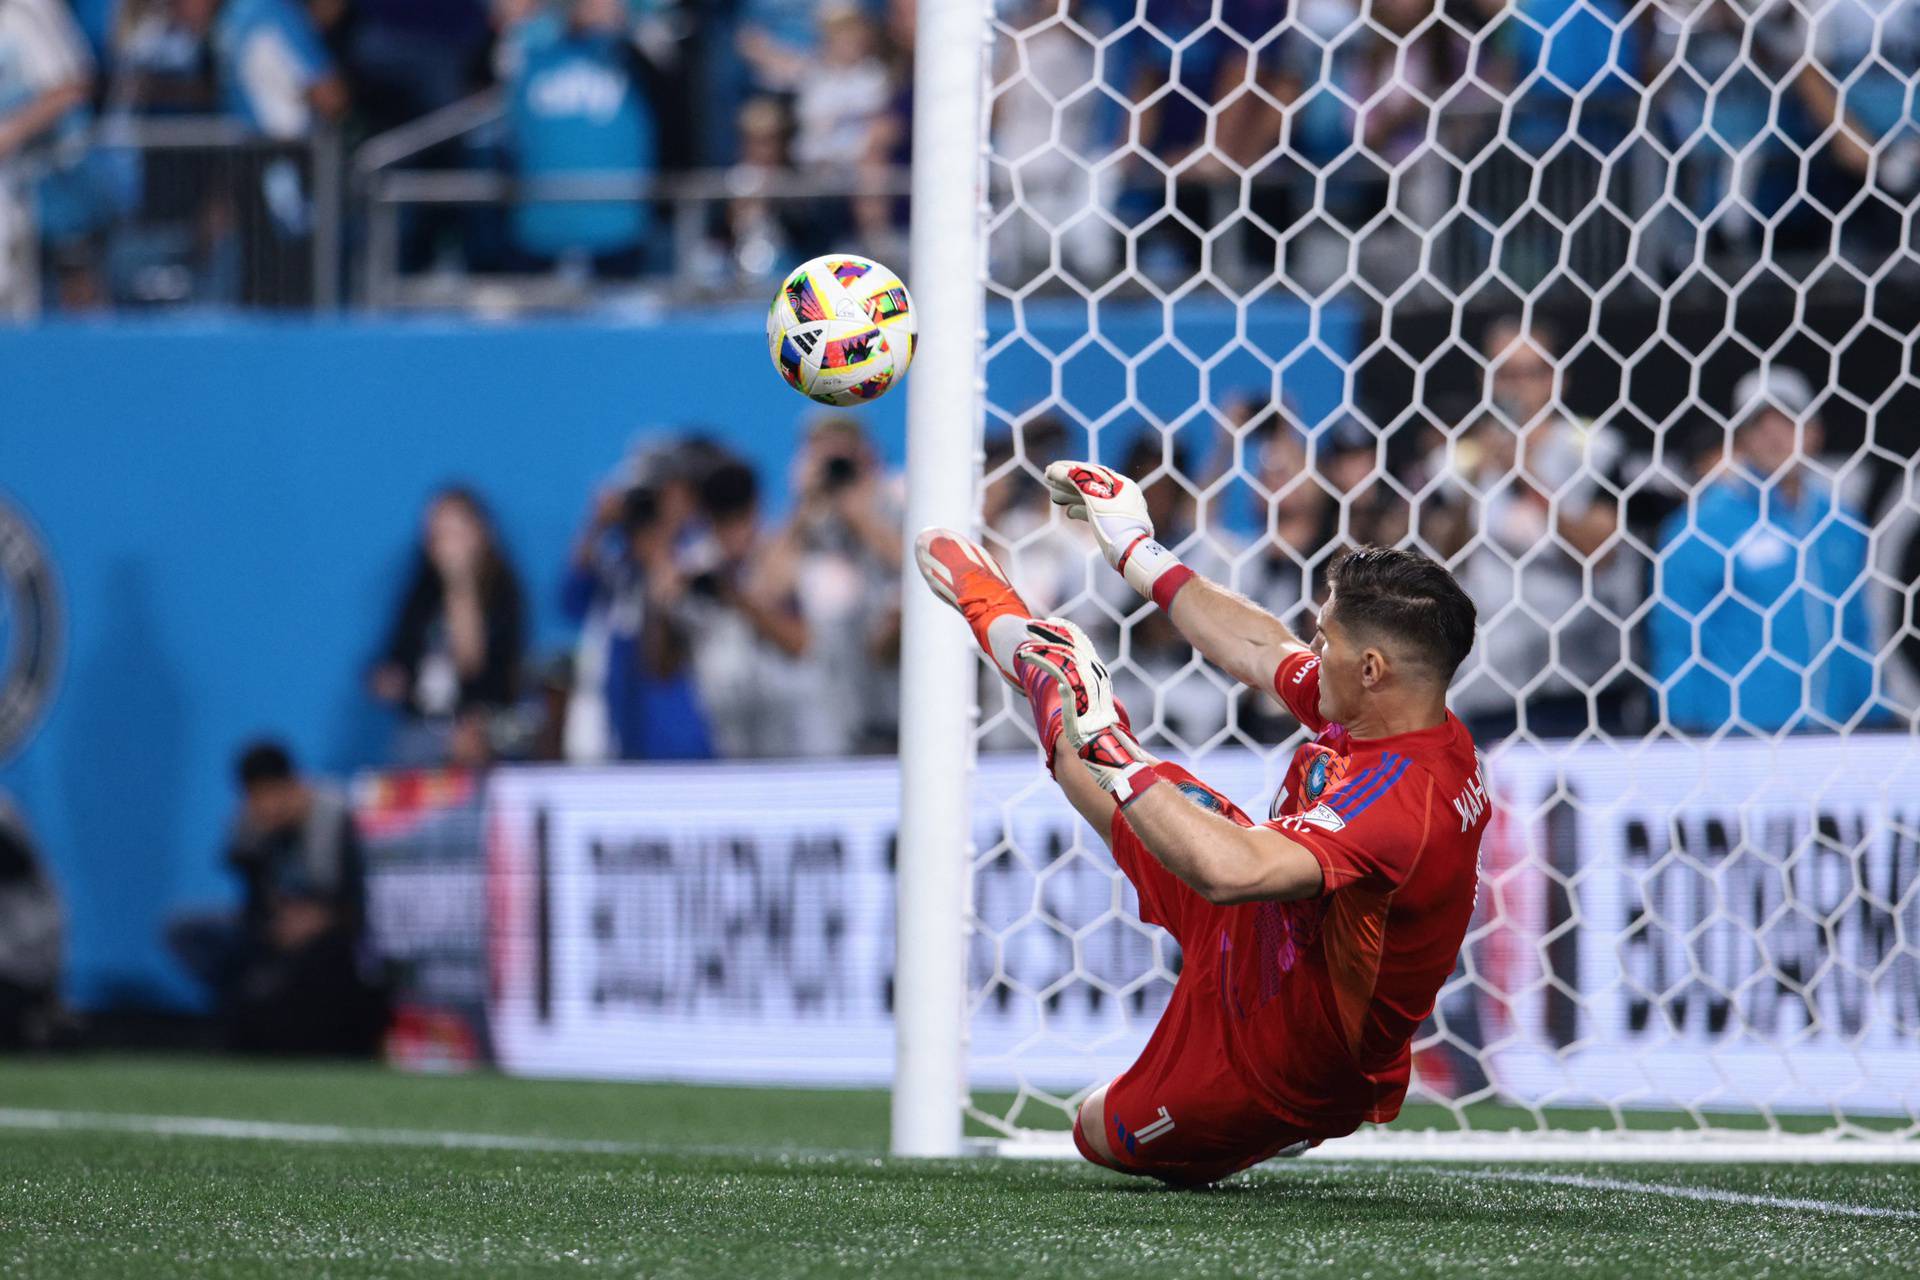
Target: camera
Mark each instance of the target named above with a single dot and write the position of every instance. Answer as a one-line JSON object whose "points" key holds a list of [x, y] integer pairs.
{"points": [[838, 472]]}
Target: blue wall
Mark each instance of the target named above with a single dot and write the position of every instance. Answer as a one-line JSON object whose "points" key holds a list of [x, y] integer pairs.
{"points": [[230, 507]]}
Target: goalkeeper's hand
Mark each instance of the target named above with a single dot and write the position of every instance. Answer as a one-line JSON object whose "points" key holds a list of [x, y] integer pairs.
{"points": [[1091, 721], [1116, 511]]}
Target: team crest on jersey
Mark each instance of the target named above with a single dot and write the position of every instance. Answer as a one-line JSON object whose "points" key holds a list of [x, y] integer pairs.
{"points": [[1316, 784], [1201, 796]]}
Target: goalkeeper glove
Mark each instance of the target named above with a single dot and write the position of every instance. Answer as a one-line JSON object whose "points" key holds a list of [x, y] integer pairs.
{"points": [[1116, 510], [1092, 723]]}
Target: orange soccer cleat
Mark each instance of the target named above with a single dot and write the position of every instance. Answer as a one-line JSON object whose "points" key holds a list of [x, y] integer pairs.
{"points": [[962, 573]]}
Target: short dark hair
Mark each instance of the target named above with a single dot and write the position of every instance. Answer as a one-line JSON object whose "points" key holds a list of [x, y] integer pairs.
{"points": [[1404, 595], [263, 761]]}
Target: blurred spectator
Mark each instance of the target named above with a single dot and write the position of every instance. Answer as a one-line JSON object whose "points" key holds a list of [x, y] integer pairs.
{"points": [[454, 652], [846, 533], [1860, 78], [174, 247], [1040, 122], [577, 108], [276, 76], [1718, 95], [777, 40], [634, 696], [285, 970], [744, 624], [1762, 622], [1045, 556], [845, 96], [275, 73], [1366, 510], [1535, 520], [1299, 517], [45, 78], [1157, 673], [1563, 53], [760, 234], [407, 58], [163, 59]]}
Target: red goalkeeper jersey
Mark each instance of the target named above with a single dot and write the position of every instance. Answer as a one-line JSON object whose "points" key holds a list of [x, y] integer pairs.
{"points": [[1343, 981]]}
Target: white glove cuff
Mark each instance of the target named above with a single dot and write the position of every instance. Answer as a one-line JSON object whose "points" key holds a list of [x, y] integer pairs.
{"points": [[1144, 562]]}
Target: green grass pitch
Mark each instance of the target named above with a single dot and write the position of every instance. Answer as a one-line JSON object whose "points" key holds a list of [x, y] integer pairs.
{"points": [[363, 1172]]}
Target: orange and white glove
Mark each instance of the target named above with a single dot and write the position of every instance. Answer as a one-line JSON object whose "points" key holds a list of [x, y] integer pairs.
{"points": [[1116, 511], [1092, 722]]}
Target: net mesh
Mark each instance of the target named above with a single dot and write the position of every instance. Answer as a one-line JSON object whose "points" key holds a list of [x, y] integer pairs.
{"points": [[1607, 307]]}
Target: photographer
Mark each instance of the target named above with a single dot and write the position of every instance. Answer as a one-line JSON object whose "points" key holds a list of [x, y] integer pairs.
{"points": [[743, 615], [634, 695], [845, 537], [285, 970]]}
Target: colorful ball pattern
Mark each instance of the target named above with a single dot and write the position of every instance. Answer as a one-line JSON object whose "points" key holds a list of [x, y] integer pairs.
{"points": [[841, 329]]}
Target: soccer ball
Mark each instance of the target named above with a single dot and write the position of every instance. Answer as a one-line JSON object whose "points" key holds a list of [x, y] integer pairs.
{"points": [[841, 329]]}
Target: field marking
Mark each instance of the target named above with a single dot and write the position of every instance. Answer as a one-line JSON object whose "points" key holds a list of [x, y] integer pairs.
{"points": [[47, 1120], [1677, 1191]]}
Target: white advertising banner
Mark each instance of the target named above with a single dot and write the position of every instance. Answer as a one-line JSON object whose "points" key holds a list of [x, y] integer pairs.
{"points": [[1672, 925], [735, 923]]}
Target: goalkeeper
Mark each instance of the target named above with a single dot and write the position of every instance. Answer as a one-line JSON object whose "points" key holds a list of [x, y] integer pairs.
{"points": [[1315, 943]]}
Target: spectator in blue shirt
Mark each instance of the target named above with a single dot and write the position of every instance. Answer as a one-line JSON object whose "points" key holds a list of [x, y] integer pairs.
{"points": [[274, 72], [1568, 51], [578, 107], [1762, 621], [634, 693], [45, 77], [777, 40]]}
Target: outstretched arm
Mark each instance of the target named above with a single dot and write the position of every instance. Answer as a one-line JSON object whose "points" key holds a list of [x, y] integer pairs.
{"points": [[1218, 858], [1232, 632], [1229, 630]]}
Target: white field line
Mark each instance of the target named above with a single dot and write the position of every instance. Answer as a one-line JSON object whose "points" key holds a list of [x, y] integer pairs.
{"points": [[1586, 1182], [21, 1118], [346, 1135]]}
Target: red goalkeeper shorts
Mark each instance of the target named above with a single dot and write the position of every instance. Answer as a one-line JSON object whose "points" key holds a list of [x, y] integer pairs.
{"points": [[1181, 1113]]}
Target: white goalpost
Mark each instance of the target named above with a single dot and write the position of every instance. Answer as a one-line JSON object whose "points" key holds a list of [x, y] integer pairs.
{"points": [[943, 444], [1608, 306]]}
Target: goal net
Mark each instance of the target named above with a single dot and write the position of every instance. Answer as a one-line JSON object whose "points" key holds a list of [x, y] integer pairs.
{"points": [[1609, 308]]}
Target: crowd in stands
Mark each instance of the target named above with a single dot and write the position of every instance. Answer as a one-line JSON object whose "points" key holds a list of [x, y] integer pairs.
{"points": [[1722, 589], [1735, 120], [704, 629], [773, 90]]}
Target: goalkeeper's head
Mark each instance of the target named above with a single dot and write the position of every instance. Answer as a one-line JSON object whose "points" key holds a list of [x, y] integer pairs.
{"points": [[1395, 627]]}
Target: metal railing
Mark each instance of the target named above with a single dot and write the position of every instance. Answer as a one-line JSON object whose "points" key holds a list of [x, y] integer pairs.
{"points": [[194, 211], [395, 179]]}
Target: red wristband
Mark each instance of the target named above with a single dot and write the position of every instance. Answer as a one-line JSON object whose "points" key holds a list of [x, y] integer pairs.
{"points": [[1152, 774], [1168, 585]]}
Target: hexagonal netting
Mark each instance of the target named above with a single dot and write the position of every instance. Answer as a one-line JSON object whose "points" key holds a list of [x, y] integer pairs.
{"points": [[1610, 307]]}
